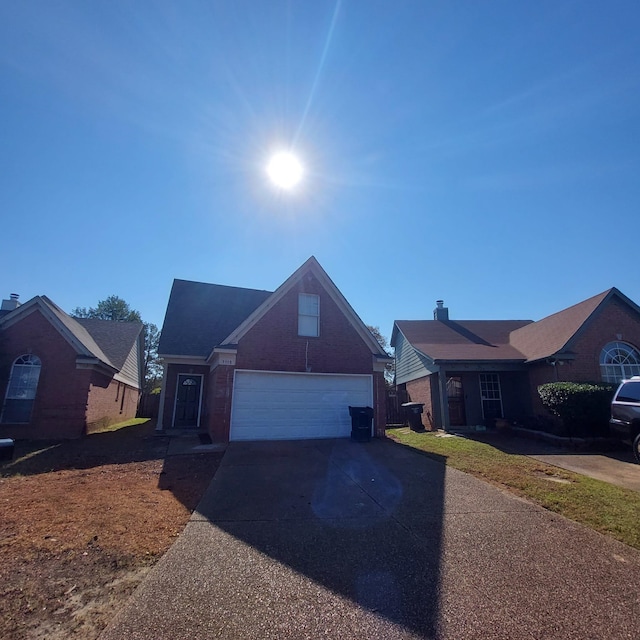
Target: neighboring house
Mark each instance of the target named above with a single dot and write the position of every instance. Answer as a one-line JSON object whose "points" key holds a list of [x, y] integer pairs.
{"points": [[475, 371], [243, 364], [62, 377]]}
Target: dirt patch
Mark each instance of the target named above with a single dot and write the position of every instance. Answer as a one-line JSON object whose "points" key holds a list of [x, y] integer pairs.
{"points": [[83, 521]]}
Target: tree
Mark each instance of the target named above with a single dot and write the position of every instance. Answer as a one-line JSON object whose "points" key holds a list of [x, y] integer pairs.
{"points": [[116, 309], [113, 308], [390, 369], [153, 369], [377, 334]]}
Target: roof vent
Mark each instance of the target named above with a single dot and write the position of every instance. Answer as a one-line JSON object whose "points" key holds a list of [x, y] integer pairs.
{"points": [[440, 312]]}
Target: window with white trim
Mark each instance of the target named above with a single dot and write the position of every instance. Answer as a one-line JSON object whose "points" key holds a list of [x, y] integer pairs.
{"points": [[21, 390], [619, 361], [308, 315]]}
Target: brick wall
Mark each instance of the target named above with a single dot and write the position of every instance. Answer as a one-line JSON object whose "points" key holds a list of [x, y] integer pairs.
{"points": [[379, 404], [219, 396], [273, 343], [109, 402], [420, 391], [61, 397], [615, 322]]}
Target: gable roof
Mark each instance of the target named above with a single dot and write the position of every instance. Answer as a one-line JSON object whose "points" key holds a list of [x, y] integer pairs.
{"points": [[200, 316], [105, 341], [516, 340], [310, 266], [462, 341], [115, 339], [553, 335]]}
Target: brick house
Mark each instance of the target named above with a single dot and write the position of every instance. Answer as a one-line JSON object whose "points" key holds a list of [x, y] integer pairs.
{"points": [[245, 364], [62, 377], [475, 371]]}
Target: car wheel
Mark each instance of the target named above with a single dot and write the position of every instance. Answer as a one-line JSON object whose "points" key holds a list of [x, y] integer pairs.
{"points": [[636, 448]]}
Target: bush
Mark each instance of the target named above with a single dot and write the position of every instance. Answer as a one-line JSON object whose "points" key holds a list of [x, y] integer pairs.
{"points": [[583, 407]]}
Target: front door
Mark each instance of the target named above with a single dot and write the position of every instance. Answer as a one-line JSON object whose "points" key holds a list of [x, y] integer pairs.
{"points": [[455, 395], [187, 408]]}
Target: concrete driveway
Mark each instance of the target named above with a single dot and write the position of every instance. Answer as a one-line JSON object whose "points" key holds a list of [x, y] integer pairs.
{"points": [[334, 539]]}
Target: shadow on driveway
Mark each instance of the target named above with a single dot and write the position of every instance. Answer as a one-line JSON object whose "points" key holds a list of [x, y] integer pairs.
{"points": [[362, 520], [311, 539]]}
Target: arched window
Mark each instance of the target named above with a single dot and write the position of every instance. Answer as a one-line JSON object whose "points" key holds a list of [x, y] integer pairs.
{"points": [[21, 390], [619, 361]]}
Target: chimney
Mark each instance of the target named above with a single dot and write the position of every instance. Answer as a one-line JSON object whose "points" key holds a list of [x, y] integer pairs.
{"points": [[440, 312], [12, 303]]}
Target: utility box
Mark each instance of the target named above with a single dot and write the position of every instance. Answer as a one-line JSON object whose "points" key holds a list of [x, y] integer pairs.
{"points": [[6, 448], [413, 412]]}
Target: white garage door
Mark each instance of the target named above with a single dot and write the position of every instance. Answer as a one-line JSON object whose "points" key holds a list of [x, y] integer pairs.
{"points": [[291, 406]]}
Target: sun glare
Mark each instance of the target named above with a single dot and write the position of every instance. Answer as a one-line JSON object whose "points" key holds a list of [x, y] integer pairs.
{"points": [[285, 170]]}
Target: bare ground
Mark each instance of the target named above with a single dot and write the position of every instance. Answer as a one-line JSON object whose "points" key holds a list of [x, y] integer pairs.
{"points": [[83, 522]]}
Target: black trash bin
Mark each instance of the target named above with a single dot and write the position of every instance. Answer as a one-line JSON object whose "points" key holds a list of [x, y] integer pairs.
{"points": [[361, 418], [413, 411], [6, 448]]}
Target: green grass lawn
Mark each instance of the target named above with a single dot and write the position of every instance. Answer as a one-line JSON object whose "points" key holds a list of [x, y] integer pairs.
{"points": [[599, 505], [122, 425]]}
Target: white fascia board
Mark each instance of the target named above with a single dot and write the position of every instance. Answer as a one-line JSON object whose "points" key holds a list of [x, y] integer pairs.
{"points": [[313, 266], [96, 364], [349, 312], [221, 350], [176, 359], [38, 303], [20, 312]]}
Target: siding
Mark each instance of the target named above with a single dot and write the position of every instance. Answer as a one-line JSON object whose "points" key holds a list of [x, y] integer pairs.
{"points": [[410, 364], [130, 372]]}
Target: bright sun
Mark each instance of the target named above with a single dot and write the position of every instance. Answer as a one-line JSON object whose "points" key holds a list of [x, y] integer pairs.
{"points": [[285, 170]]}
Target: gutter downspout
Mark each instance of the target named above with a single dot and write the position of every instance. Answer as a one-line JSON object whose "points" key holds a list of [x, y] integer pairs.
{"points": [[444, 399], [162, 394]]}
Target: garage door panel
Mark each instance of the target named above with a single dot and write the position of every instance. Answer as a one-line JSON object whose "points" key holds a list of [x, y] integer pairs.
{"points": [[275, 406]]}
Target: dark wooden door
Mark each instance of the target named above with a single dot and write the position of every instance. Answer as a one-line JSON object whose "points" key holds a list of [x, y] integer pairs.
{"points": [[187, 401], [455, 394]]}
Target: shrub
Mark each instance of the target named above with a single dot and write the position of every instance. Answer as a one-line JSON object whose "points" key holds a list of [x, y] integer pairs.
{"points": [[583, 407]]}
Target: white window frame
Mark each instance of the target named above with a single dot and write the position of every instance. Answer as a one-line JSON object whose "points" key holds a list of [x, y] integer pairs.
{"points": [[308, 323], [483, 377], [619, 361], [23, 382]]}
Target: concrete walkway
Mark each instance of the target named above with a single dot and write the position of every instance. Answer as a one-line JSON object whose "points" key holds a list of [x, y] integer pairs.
{"points": [[616, 467], [333, 539]]}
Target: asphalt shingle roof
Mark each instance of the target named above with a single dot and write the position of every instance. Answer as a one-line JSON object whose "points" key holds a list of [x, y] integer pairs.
{"points": [[116, 339], [200, 316], [520, 340], [108, 341], [464, 339], [548, 336]]}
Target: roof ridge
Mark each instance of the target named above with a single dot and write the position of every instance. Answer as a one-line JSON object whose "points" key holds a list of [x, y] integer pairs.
{"points": [[215, 284]]}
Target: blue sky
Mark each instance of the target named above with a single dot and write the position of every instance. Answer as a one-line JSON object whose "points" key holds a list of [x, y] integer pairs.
{"points": [[486, 153]]}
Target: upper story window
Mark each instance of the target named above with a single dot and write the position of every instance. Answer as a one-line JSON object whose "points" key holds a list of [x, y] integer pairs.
{"points": [[21, 390], [619, 361], [308, 315]]}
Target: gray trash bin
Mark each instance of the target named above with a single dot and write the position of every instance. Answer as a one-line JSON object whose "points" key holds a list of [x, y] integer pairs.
{"points": [[413, 412], [6, 448]]}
